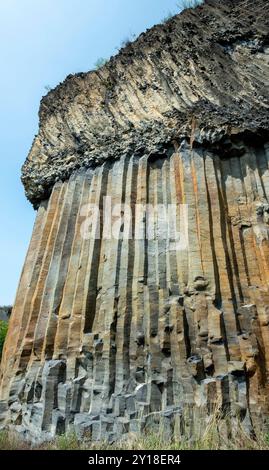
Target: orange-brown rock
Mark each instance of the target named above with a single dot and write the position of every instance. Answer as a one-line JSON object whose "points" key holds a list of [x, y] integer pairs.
{"points": [[114, 333]]}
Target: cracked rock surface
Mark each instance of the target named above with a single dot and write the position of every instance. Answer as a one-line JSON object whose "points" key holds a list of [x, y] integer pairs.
{"points": [[203, 75], [113, 336]]}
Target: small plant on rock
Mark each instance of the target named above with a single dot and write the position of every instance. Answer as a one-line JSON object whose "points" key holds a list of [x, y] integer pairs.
{"points": [[100, 63], [167, 17], [185, 4], [3, 332]]}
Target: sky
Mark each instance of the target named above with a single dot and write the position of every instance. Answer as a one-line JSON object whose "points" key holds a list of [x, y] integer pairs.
{"points": [[41, 42]]}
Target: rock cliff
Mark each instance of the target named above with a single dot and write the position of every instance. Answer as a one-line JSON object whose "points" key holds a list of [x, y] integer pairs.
{"points": [[112, 334]]}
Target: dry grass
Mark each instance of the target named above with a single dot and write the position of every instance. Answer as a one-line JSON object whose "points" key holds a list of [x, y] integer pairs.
{"points": [[213, 438]]}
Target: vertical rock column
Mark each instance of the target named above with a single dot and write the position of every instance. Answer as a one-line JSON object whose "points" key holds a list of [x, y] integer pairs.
{"points": [[112, 334]]}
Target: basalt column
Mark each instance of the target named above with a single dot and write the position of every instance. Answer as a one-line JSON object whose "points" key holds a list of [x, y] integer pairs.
{"points": [[117, 328]]}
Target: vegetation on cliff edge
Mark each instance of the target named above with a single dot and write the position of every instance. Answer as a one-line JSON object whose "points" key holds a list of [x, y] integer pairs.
{"points": [[3, 332]]}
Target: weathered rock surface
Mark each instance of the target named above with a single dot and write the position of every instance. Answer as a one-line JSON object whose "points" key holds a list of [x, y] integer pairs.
{"points": [[114, 335], [203, 75]]}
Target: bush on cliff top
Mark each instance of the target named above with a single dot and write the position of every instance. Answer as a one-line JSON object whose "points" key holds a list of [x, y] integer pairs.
{"points": [[182, 5], [3, 332], [100, 63], [189, 3]]}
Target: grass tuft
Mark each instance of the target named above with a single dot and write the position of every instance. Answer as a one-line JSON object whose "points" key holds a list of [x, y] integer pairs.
{"points": [[185, 4]]}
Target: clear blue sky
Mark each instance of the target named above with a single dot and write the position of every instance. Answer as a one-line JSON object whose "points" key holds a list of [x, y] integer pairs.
{"points": [[42, 41]]}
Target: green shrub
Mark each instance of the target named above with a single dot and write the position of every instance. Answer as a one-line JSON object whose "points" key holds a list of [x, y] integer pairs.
{"points": [[3, 332], [100, 63]]}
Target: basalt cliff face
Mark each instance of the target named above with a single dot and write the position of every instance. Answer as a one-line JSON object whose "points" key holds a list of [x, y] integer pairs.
{"points": [[114, 334]]}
